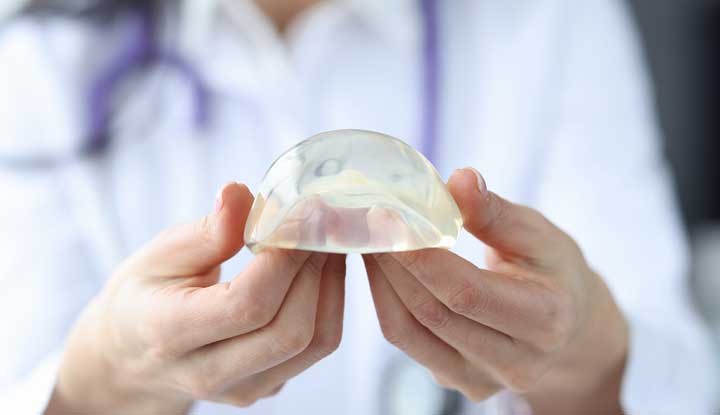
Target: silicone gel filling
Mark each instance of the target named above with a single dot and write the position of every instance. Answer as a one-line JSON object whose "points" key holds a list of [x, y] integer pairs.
{"points": [[352, 191]]}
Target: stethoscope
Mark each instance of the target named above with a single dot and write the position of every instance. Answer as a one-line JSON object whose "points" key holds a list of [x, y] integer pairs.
{"points": [[406, 388], [142, 49]]}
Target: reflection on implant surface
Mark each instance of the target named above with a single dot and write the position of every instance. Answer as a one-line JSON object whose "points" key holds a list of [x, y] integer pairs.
{"points": [[352, 191]]}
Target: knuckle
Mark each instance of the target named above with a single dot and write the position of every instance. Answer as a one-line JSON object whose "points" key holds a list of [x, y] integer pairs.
{"points": [[475, 386], [431, 314], [563, 240], [395, 335], [411, 260], [498, 212], [205, 230], [383, 259], [478, 394], [296, 258], [326, 342], [315, 263], [252, 312], [241, 401], [568, 242], [475, 392], [204, 388], [449, 381], [274, 391], [557, 321], [468, 300], [158, 345], [565, 246], [536, 217], [522, 380], [294, 341], [443, 381], [246, 399]]}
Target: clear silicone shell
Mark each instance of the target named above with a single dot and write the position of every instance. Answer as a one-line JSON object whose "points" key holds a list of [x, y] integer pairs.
{"points": [[352, 191]]}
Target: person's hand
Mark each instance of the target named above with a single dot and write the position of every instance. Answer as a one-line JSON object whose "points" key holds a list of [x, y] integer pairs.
{"points": [[539, 321], [164, 332]]}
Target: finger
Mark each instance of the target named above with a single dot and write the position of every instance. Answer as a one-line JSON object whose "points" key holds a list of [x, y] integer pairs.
{"points": [[507, 304], [404, 332], [480, 344], [388, 231], [217, 366], [515, 230], [328, 331], [198, 247], [191, 317], [241, 398]]}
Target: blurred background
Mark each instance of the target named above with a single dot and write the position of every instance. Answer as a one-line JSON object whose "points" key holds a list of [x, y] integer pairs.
{"points": [[682, 46], [682, 40]]}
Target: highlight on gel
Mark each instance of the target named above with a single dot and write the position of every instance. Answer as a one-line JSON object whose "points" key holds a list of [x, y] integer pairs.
{"points": [[352, 191]]}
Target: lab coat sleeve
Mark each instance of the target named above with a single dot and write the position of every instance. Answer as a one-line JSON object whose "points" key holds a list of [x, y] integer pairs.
{"points": [[604, 181], [46, 270], [47, 277]]}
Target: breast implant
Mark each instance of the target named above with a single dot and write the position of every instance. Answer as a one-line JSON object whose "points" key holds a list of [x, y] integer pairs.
{"points": [[352, 191]]}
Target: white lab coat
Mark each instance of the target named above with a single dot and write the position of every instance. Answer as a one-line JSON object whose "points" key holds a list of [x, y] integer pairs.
{"points": [[548, 99]]}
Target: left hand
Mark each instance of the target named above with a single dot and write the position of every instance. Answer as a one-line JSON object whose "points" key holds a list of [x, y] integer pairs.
{"points": [[539, 321]]}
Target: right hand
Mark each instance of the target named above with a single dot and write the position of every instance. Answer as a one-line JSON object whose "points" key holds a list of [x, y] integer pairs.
{"points": [[164, 332]]}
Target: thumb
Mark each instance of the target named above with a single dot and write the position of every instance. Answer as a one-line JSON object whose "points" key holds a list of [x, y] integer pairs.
{"points": [[199, 247], [512, 229]]}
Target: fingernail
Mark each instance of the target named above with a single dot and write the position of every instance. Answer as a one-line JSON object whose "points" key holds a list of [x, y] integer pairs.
{"points": [[481, 185], [219, 202]]}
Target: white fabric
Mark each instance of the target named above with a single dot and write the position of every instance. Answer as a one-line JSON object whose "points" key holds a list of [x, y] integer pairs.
{"points": [[548, 99], [9, 7]]}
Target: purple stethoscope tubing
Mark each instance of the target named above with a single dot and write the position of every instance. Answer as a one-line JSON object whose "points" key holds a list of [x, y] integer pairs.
{"points": [[431, 79], [143, 49]]}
